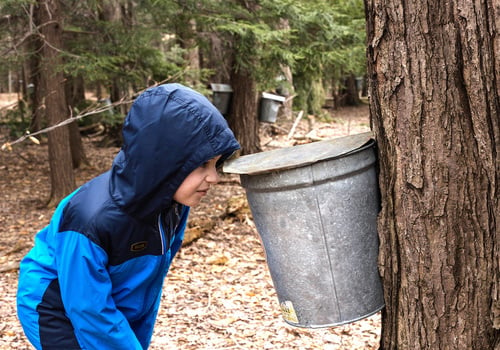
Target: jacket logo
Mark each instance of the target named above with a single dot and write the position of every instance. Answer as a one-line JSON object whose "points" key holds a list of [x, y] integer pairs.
{"points": [[138, 246]]}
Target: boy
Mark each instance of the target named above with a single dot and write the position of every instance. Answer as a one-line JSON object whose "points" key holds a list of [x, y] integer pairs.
{"points": [[94, 277]]}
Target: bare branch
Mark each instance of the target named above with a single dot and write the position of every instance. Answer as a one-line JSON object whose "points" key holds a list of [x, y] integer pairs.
{"points": [[8, 145], [28, 135], [25, 37]]}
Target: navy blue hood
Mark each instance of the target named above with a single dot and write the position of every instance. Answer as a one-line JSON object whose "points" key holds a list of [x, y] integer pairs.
{"points": [[169, 131]]}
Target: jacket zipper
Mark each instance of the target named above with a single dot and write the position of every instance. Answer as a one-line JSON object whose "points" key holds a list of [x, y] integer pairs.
{"points": [[170, 224], [162, 235]]}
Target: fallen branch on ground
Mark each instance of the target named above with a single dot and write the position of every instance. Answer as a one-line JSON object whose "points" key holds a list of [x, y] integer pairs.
{"points": [[294, 126]]}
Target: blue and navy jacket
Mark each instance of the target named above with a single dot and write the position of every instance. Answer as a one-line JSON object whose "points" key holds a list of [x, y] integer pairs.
{"points": [[94, 277]]}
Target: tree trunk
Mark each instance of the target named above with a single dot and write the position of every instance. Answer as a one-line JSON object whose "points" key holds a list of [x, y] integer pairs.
{"points": [[117, 11], [78, 156], [286, 88], [75, 95], [351, 91], [435, 106], [37, 95], [52, 79], [217, 57], [186, 37], [242, 117], [243, 113]]}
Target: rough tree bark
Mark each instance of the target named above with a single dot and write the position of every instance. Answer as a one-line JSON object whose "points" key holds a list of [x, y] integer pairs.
{"points": [[217, 57], [74, 88], [243, 118], [435, 106], [52, 79]]}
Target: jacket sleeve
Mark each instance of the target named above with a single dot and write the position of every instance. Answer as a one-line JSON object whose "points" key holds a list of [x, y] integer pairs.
{"points": [[86, 293]]}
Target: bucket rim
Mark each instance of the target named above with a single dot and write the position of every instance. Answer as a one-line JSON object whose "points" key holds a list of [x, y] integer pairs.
{"points": [[218, 87], [278, 98], [298, 156]]}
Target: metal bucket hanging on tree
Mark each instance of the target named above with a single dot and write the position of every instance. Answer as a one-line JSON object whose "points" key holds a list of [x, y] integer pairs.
{"points": [[315, 207]]}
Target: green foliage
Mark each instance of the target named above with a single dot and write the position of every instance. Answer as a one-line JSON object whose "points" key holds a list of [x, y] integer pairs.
{"points": [[14, 7], [330, 43], [16, 119], [320, 40], [131, 54], [12, 27]]}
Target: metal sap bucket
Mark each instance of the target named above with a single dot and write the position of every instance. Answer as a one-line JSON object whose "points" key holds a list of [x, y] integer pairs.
{"points": [[221, 97], [315, 207], [269, 107]]}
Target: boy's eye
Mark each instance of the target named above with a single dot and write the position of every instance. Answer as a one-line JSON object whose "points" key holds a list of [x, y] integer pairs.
{"points": [[210, 162]]}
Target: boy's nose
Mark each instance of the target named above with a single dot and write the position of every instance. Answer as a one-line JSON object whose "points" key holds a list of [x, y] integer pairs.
{"points": [[213, 176]]}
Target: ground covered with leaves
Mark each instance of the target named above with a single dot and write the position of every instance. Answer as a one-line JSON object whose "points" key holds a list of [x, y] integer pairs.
{"points": [[218, 293]]}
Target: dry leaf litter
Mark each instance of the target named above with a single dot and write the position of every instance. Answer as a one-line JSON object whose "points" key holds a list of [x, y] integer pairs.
{"points": [[218, 293]]}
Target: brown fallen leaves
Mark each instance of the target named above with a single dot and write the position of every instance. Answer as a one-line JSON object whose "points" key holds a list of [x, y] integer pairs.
{"points": [[218, 293]]}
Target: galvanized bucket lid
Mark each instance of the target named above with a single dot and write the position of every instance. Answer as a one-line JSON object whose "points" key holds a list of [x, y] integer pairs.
{"points": [[296, 156], [273, 97], [221, 88]]}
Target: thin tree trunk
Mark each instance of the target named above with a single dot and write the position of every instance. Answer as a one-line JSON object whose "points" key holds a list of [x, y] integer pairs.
{"points": [[243, 113], [286, 110], [78, 155], [186, 34], [52, 79], [435, 106], [37, 103], [351, 91], [218, 58], [117, 11], [75, 94]]}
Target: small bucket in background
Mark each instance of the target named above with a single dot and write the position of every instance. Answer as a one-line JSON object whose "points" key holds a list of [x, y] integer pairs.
{"points": [[221, 97], [269, 107]]}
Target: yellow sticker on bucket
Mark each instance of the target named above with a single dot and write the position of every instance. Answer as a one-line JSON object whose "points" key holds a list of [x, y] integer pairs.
{"points": [[288, 312]]}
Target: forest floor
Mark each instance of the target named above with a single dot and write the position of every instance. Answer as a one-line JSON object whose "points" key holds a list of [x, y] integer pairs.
{"points": [[218, 293]]}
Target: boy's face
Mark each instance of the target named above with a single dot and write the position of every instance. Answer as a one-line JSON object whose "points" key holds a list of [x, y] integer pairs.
{"points": [[195, 186]]}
